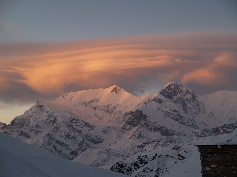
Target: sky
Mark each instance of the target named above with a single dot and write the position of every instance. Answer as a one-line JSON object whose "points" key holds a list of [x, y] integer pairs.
{"points": [[48, 48]]}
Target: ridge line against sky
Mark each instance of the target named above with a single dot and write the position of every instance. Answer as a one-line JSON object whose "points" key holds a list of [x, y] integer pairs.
{"points": [[52, 47]]}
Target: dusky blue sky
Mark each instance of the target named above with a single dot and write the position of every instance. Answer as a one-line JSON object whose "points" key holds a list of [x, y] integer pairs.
{"points": [[60, 20]]}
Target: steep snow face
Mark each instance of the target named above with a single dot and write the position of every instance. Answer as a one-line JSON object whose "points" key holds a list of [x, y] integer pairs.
{"points": [[142, 136], [103, 107], [113, 95], [220, 108], [34, 124]]}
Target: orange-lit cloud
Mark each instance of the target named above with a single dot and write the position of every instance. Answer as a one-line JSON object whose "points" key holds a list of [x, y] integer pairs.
{"points": [[202, 76], [216, 72], [51, 69]]}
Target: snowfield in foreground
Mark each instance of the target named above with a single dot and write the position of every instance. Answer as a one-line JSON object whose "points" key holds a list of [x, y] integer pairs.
{"points": [[18, 159]]}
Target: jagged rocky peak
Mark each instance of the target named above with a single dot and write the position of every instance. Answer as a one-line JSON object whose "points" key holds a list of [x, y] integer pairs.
{"points": [[38, 105], [116, 89], [186, 99], [173, 90]]}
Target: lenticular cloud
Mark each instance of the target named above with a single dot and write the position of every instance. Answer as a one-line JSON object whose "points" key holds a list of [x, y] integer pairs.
{"points": [[46, 70]]}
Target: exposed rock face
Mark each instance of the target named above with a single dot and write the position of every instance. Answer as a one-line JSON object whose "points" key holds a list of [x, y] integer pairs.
{"points": [[134, 119], [113, 129], [184, 98], [3, 126]]}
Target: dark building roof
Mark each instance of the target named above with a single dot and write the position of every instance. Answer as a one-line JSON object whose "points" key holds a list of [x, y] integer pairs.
{"points": [[218, 160]]}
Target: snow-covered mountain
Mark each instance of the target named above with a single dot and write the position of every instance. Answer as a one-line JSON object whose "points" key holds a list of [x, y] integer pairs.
{"points": [[147, 135]]}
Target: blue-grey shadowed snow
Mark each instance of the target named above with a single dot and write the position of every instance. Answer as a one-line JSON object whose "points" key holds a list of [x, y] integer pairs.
{"points": [[18, 159]]}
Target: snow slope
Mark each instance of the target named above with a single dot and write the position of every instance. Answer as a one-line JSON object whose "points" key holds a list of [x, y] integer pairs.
{"points": [[221, 108], [18, 159]]}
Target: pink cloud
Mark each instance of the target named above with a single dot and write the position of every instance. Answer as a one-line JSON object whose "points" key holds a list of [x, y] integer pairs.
{"points": [[216, 72], [45, 69]]}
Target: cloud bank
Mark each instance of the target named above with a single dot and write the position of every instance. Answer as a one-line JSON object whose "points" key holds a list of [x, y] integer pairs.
{"points": [[204, 61]]}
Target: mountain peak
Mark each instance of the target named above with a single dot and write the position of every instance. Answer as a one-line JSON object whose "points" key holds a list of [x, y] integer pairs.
{"points": [[183, 97], [171, 83], [173, 89], [115, 89]]}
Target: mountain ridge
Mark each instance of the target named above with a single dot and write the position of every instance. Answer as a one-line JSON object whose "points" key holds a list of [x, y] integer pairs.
{"points": [[105, 127]]}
